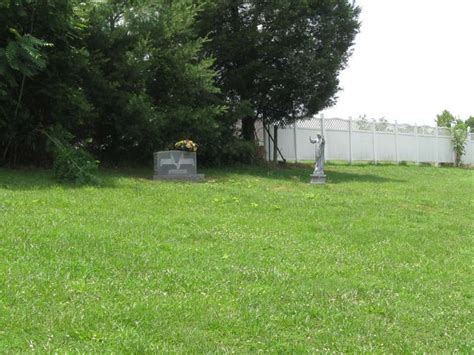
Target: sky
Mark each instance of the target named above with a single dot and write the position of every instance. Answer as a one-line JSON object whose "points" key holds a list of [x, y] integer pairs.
{"points": [[411, 60]]}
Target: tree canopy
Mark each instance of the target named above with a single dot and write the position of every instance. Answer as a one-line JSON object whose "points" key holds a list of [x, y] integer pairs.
{"points": [[279, 59], [470, 123], [126, 78], [445, 119]]}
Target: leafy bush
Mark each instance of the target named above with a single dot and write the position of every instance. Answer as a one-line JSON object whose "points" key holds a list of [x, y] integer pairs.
{"points": [[470, 123], [445, 119], [231, 151], [72, 163], [459, 137], [239, 151]]}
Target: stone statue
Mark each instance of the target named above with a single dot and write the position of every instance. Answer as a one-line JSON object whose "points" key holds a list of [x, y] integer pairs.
{"points": [[318, 176]]}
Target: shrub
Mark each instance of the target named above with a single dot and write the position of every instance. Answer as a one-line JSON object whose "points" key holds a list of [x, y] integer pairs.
{"points": [[445, 119], [231, 151], [71, 163], [459, 137], [239, 151]]}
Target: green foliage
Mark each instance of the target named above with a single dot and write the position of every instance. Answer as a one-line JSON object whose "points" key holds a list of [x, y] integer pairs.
{"points": [[131, 75], [37, 68], [282, 57], [232, 151], [72, 163], [149, 82], [23, 54], [459, 137], [445, 119], [459, 130], [470, 123], [240, 152], [138, 75]]}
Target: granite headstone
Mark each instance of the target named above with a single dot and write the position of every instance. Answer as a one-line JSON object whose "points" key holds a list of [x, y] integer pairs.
{"points": [[176, 165]]}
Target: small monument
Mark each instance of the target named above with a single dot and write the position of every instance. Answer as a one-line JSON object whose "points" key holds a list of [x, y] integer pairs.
{"points": [[318, 176], [176, 165]]}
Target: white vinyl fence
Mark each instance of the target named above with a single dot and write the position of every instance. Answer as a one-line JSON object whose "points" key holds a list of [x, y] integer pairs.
{"points": [[352, 140]]}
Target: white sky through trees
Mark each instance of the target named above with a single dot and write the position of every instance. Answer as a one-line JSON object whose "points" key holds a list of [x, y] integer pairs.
{"points": [[412, 59]]}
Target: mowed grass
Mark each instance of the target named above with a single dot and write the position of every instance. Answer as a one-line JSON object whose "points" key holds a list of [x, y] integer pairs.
{"points": [[253, 259]]}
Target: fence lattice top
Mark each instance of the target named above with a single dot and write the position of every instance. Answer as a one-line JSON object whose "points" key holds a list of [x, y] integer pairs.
{"points": [[364, 125]]}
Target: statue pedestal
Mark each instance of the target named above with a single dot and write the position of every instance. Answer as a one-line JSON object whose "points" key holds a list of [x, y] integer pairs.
{"points": [[318, 179]]}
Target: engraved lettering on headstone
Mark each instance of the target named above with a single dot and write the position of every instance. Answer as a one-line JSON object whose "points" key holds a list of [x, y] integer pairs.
{"points": [[176, 164]]}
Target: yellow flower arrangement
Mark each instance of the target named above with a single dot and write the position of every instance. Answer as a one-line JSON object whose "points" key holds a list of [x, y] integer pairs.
{"points": [[186, 145]]}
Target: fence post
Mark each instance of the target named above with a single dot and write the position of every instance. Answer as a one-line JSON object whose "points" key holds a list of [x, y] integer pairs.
{"points": [[275, 143], [436, 146], [374, 150], [350, 139], [269, 143], [468, 144], [471, 142], [264, 142], [417, 143], [295, 142], [323, 133], [396, 142]]}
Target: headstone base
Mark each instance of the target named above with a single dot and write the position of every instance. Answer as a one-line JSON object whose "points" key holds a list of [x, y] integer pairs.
{"points": [[317, 179], [190, 177]]}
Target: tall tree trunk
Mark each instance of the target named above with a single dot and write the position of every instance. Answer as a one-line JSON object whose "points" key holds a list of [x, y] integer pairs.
{"points": [[275, 144], [248, 129], [5, 152]]}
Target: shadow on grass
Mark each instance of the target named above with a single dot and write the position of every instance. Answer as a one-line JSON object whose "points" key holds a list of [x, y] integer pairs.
{"points": [[38, 179], [300, 172], [338, 177]]}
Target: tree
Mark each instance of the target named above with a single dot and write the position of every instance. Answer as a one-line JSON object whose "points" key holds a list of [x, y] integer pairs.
{"points": [[459, 137], [28, 83], [132, 77], [279, 60], [149, 81], [470, 123], [129, 76], [445, 119]]}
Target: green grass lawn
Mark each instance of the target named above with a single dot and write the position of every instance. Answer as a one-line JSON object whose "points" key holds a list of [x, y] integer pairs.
{"points": [[379, 259]]}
